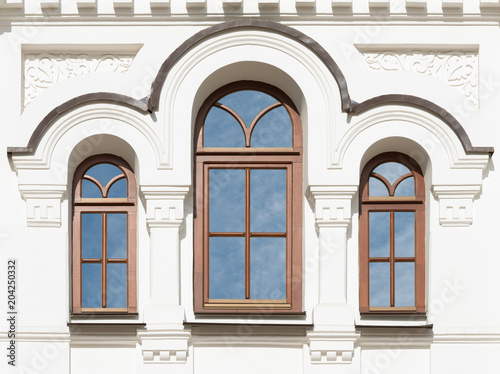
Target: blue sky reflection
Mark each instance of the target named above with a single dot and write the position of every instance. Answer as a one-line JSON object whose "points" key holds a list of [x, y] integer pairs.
{"points": [[227, 268], [227, 200], [268, 200], [268, 268]]}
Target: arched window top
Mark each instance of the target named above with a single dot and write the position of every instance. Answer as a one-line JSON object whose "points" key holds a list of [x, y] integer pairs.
{"points": [[392, 175], [248, 115], [104, 177]]}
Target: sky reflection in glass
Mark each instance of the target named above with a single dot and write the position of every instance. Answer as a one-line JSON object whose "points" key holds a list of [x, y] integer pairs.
{"points": [[406, 187], [227, 268], [377, 188], [274, 129], [90, 189], [404, 284], [104, 172], [380, 234], [227, 200], [116, 291], [268, 200], [117, 235], [221, 129], [92, 235], [118, 189], [91, 286], [380, 284], [268, 268], [404, 234], [247, 103], [391, 171]]}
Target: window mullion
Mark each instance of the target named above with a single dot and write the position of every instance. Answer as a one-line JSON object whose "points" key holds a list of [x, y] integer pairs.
{"points": [[104, 258], [392, 258], [247, 233]]}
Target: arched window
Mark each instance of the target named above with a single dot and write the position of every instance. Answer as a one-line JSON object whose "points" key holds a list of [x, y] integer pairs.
{"points": [[104, 236], [392, 235], [248, 216]]}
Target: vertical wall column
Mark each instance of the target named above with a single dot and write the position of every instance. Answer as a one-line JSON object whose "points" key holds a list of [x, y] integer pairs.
{"points": [[165, 341], [164, 216], [333, 337]]}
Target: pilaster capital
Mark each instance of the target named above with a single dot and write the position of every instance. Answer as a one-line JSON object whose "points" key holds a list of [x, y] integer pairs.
{"points": [[455, 203], [332, 205], [164, 205], [43, 203]]}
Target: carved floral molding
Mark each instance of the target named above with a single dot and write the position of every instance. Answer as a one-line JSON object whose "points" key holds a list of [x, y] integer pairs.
{"points": [[43, 70], [457, 69]]}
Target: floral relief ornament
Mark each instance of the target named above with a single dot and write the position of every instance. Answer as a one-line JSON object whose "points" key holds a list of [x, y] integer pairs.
{"points": [[455, 68], [44, 70]]}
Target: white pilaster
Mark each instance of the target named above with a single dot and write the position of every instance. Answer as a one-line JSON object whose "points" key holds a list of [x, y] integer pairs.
{"points": [[165, 341], [333, 338], [164, 216]]}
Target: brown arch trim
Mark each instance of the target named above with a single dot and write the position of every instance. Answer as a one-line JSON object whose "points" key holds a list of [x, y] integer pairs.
{"points": [[271, 26], [428, 106], [47, 121], [151, 103]]}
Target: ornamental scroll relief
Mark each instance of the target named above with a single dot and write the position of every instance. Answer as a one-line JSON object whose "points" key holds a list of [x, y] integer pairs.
{"points": [[458, 69], [43, 70]]}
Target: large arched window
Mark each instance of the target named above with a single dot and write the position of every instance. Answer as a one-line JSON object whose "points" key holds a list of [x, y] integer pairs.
{"points": [[104, 236], [392, 235], [248, 217]]}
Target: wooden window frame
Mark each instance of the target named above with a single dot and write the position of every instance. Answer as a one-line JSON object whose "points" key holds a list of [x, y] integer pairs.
{"points": [[249, 158], [104, 205], [392, 204]]}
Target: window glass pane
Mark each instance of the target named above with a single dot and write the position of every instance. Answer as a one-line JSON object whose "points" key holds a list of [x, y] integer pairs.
{"points": [[268, 268], [116, 291], [91, 235], [91, 286], [104, 172], [116, 239], [404, 234], [405, 284], [380, 234], [247, 103], [267, 200], [227, 268], [377, 188], [406, 187], [391, 171], [274, 129], [118, 189], [380, 284], [221, 129], [227, 200], [90, 189]]}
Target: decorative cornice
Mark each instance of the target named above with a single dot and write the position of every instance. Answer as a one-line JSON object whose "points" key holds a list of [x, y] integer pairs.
{"points": [[44, 70]]}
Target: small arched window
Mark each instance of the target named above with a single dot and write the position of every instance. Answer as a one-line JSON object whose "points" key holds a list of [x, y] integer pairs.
{"points": [[392, 235], [248, 223], [104, 236]]}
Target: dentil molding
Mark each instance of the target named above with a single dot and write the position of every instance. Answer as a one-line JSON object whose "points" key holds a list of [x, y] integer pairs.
{"points": [[458, 69], [44, 70], [164, 205]]}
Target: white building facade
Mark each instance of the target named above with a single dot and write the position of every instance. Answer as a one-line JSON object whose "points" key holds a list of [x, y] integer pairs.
{"points": [[414, 83]]}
